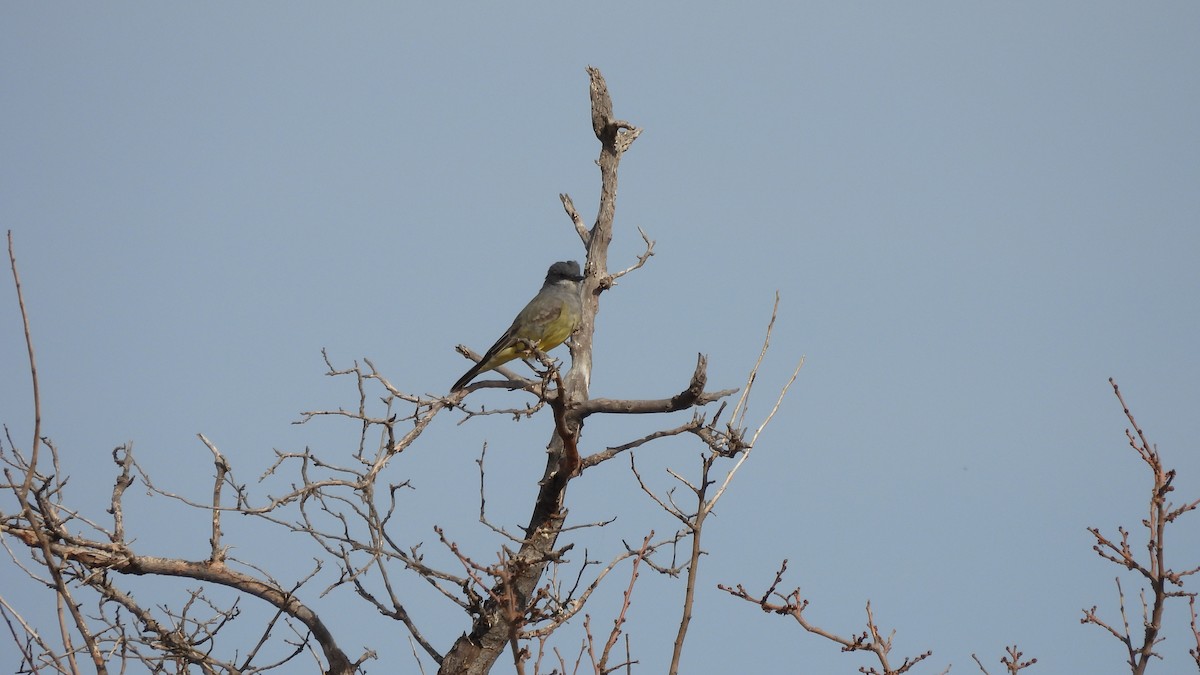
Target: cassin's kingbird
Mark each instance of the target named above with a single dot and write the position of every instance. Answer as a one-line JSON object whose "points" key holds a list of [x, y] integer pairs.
{"points": [[549, 319]]}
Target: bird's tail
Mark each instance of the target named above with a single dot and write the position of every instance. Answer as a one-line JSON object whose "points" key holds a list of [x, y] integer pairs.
{"points": [[466, 379]]}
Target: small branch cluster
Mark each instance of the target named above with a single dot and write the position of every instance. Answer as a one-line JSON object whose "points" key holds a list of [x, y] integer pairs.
{"points": [[793, 604], [1011, 661], [86, 556], [1163, 581]]}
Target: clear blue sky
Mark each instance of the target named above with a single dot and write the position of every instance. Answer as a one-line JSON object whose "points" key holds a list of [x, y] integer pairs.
{"points": [[974, 214]]}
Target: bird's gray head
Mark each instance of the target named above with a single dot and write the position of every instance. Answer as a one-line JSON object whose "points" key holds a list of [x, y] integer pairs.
{"points": [[567, 269]]}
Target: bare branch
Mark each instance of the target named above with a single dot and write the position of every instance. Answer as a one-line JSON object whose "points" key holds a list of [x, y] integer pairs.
{"points": [[691, 396], [612, 279], [743, 403], [565, 608], [580, 228], [1194, 651], [34, 446], [1154, 569], [122, 560], [217, 554], [615, 634], [35, 517], [609, 453], [1012, 661], [792, 604]]}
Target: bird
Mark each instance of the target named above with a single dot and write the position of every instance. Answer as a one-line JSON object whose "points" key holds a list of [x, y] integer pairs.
{"points": [[546, 322]]}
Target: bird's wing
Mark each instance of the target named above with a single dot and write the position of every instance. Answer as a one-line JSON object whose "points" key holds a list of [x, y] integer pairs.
{"points": [[532, 321]]}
